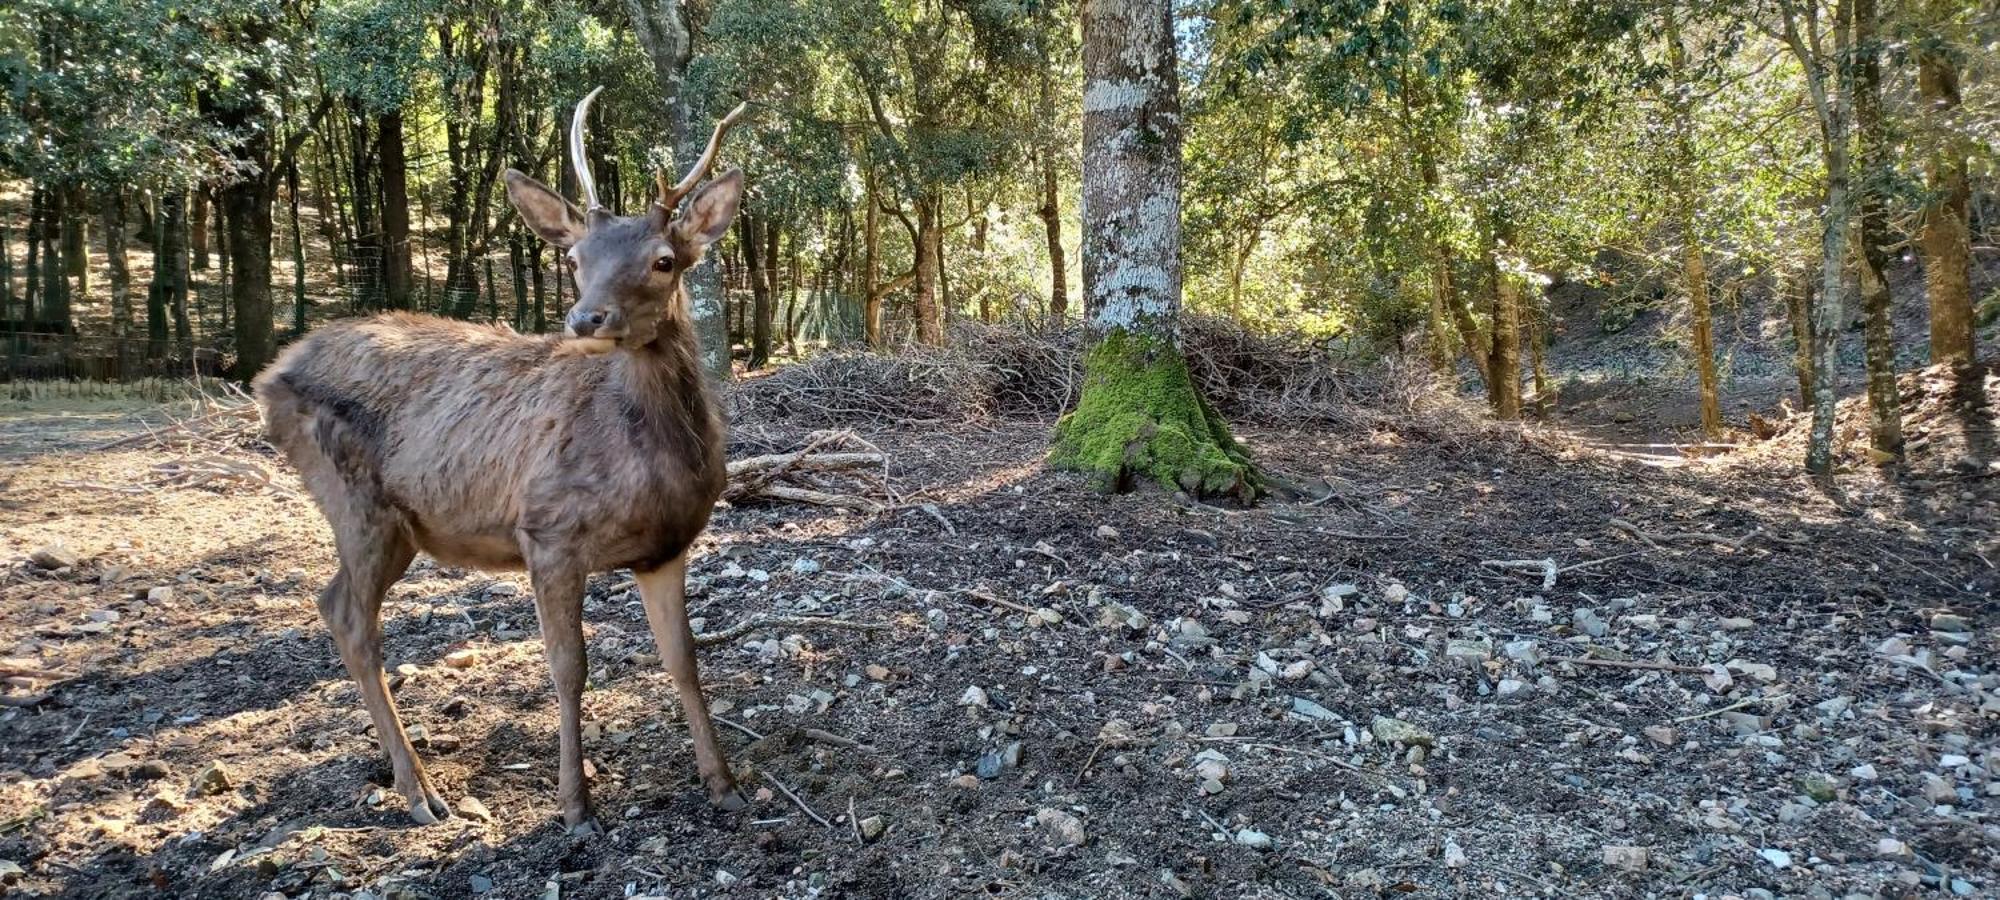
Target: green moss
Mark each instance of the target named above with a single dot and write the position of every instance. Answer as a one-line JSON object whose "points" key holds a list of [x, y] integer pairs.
{"points": [[1140, 417]]}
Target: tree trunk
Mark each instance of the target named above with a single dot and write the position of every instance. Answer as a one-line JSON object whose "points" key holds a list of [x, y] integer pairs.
{"points": [[1503, 366], [298, 253], [1830, 84], [55, 312], [156, 289], [1694, 249], [792, 301], [1885, 423], [751, 233], [1538, 342], [174, 210], [117, 273], [1140, 416], [1798, 312], [247, 213], [31, 290], [198, 228], [393, 173], [76, 242], [871, 310], [930, 319], [1944, 224]]}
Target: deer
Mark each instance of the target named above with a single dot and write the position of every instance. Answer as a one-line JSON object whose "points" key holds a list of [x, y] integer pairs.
{"points": [[568, 455]]}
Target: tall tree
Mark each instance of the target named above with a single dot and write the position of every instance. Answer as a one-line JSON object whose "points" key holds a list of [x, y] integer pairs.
{"points": [[1944, 223], [1885, 421], [1140, 415], [1822, 49]]}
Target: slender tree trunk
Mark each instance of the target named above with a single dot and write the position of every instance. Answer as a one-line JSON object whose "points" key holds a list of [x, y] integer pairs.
{"points": [[32, 289], [173, 209], [1944, 223], [1830, 83], [76, 242], [1885, 426], [298, 253], [1694, 249], [1538, 342], [198, 228], [1503, 366], [117, 274], [751, 233], [792, 301], [159, 284], [930, 320], [393, 174], [871, 312], [540, 322], [6, 273], [1140, 416], [247, 212], [55, 285], [1798, 295]]}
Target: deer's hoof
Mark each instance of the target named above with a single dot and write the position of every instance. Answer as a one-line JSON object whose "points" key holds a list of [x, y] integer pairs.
{"points": [[728, 800], [588, 828], [429, 809]]}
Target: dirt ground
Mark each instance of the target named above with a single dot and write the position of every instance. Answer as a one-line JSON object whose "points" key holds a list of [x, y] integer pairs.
{"points": [[1731, 685]]}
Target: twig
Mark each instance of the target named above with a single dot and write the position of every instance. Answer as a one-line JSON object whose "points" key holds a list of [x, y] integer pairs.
{"points": [[1654, 540], [1089, 761], [1730, 708], [853, 821], [762, 620], [1632, 664], [1545, 566], [1029, 610], [932, 509], [739, 726], [800, 803]]}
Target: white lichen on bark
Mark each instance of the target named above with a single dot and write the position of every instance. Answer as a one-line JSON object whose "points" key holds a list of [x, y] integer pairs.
{"points": [[1131, 202]]}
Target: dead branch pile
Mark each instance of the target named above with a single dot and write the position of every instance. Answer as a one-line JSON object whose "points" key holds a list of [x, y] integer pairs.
{"points": [[990, 373], [211, 471], [834, 468], [225, 420]]}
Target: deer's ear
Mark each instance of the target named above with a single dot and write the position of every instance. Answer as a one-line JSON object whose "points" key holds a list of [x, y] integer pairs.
{"points": [[556, 220], [706, 217]]}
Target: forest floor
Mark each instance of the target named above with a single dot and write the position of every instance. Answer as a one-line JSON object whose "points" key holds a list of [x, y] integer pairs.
{"points": [[1731, 684]]}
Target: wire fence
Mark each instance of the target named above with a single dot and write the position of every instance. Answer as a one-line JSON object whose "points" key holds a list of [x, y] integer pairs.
{"points": [[45, 355]]}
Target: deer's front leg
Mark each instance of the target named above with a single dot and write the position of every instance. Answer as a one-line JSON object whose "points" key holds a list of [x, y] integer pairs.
{"points": [[559, 606], [664, 591]]}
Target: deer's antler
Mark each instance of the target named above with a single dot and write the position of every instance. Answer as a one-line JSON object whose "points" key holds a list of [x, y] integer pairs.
{"points": [[577, 160], [670, 196]]}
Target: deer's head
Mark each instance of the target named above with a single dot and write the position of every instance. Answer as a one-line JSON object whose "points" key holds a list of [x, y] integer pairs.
{"points": [[628, 268]]}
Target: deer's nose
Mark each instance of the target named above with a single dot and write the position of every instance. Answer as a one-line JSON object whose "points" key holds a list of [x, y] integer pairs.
{"points": [[584, 323]]}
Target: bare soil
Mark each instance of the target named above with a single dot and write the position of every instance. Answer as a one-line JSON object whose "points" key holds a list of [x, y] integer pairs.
{"points": [[1806, 704]]}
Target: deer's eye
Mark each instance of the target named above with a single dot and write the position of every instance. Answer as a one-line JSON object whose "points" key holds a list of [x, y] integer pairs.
{"points": [[663, 264]]}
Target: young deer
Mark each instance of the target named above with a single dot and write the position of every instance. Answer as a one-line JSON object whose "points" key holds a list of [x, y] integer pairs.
{"points": [[494, 450]]}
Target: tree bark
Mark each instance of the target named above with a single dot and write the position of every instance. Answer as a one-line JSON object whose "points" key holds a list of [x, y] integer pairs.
{"points": [[1140, 416], [1503, 357], [1885, 422], [1829, 83], [930, 319], [1694, 248], [1944, 226], [871, 248], [393, 174], [117, 274], [750, 233], [31, 290], [76, 242], [198, 228], [55, 312]]}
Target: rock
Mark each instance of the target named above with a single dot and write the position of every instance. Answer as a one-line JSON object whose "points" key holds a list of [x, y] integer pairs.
{"points": [[1736, 624], [152, 770], [1820, 788], [1221, 729], [481, 884], [1210, 765], [1950, 622], [1115, 616], [723, 878], [1890, 848], [1525, 652], [1010, 756], [1066, 828], [872, 828], [54, 556], [161, 594], [989, 765], [1395, 593], [1106, 532], [10, 871], [503, 589], [1397, 731], [974, 696], [470, 807], [1255, 840], [1473, 652], [1938, 789], [1510, 687], [1664, 735], [1211, 787], [1778, 859], [103, 615], [876, 672], [1863, 772], [213, 779], [1759, 671], [966, 781], [1586, 620], [1306, 709], [805, 566], [1454, 855], [1629, 859], [461, 659]]}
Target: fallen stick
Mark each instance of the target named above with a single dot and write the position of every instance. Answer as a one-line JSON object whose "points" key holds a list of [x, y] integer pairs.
{"points": [[796, 800], [807, 495], [1654, 540], [1545, 566], [765, 621], [1633, 664], [1752, 701]]}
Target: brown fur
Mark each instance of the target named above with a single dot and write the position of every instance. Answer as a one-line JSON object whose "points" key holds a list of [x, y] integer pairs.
{"points": [[494, 450]]}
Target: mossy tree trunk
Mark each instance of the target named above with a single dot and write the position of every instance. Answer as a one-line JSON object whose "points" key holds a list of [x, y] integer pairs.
{"points": [[1141, 417]]}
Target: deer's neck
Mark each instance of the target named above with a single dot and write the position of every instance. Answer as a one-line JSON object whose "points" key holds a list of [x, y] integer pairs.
{"points": [[663, 396]]}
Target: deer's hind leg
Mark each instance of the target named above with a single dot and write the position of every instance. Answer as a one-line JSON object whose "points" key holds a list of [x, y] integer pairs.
{"points": [[375, 547]]}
